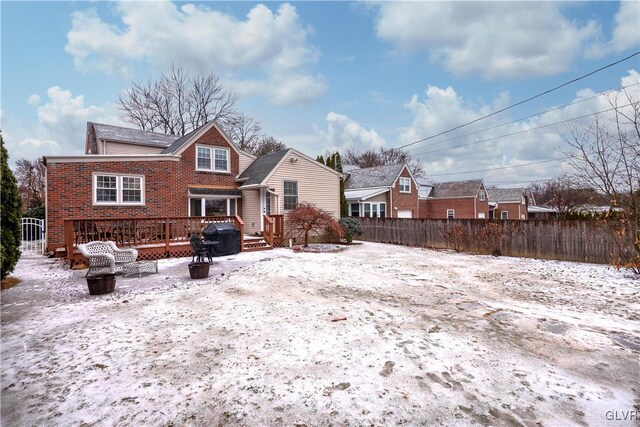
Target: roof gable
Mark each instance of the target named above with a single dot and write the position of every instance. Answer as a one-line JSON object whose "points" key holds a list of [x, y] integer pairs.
{"points": [[377, 176], [180, 145]]}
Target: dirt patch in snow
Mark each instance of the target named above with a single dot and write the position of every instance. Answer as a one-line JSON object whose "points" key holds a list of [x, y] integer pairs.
{"points": [[429, 338]]}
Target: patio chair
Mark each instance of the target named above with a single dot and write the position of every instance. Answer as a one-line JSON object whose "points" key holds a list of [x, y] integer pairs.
{"points": [[199, 250], [106, 257]]}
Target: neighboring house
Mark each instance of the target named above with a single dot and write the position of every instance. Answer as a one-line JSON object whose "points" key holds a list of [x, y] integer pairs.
{"points": [[277, 182], [454, 200], [388, 191], [541, 212], [128, 173], [509, 203]]}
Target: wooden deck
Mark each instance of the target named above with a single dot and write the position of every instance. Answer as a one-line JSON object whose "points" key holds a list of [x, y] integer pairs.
{"points": [[160, 237]]}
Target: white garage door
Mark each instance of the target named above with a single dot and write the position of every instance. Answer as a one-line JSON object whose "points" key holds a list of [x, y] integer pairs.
{"points": [[404, 214]]}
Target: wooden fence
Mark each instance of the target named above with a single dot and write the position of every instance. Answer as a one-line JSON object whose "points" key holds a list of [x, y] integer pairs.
{"points": [[582, 241]]}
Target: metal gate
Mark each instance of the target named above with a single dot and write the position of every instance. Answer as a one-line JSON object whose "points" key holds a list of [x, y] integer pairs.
{"points": [[33, 236]]}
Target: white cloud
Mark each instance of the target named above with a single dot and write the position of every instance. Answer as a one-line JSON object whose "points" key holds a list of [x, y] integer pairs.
{"points": [[293, 89], [463, 150], [344, 133], [626, 33], [33, 99], [493, 39], [160, 33], [61, 127]]}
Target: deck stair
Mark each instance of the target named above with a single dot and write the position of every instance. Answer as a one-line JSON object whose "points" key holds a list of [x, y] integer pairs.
{"points": [[255, 243]]}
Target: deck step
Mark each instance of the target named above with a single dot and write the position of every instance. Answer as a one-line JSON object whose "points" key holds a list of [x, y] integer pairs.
{"points": [[256, 245]]}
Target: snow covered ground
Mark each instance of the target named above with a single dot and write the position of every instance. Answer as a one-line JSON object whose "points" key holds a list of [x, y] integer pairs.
{"points": [[430, 338]]}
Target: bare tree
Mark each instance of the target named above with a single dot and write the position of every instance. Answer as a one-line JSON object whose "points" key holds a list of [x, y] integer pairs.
{"points": [[564, 194], [244, 131], [266, 145], [371, 158], [31, 184], [605, 155], [178, 102]]}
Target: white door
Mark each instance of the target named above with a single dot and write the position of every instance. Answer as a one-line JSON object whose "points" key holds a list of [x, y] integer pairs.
{"points": [[404, 214]]}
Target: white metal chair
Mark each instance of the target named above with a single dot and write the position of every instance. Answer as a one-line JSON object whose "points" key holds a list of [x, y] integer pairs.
{"points": [[106, 257]]}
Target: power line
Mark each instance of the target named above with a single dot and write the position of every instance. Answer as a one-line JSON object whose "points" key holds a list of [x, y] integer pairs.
{"points": [[502, 167], [524, 118], [520, 132], [520, 102]]}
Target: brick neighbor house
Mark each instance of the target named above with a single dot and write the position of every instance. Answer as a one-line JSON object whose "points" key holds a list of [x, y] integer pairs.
{"points": [[509, 203], [453, 200], [153, 189], [388, 191]]}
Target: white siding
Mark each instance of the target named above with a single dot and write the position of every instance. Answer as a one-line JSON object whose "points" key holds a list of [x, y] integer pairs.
{"points": [[315, 184], [121, 148], [251, 211], [245, 161], [379, 198]]}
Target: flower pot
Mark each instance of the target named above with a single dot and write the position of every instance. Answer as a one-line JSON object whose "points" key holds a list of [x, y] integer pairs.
{"points": [[101, 284], [199, 270]]}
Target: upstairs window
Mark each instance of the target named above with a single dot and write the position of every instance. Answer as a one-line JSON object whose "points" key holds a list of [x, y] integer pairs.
{"points": [[405, 185], [481, 195], [118, 189], [212, 159], [290, 195]]}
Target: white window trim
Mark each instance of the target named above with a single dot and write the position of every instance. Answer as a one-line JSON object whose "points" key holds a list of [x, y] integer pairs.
{"points": [[482, 195], [371, 204], [212, 154], [203, 204], [505, 216], [453, 213], [119, 190], [284, 195], [403, 178]]}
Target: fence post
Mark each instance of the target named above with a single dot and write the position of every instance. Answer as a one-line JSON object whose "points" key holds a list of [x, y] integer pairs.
{"points": [[68, 238], [167, 227]]}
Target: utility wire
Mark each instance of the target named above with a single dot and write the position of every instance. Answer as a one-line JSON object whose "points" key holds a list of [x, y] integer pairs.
{"points": [[520, 132], [502, 167], [524, 118], [531, 98]]}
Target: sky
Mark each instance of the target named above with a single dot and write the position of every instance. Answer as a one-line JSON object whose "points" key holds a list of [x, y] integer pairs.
{"points": [[325, 76]]}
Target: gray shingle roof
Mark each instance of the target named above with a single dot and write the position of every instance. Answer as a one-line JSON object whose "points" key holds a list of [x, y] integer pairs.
{"points": [[132, 136], [456, 188], [505, 194], [377, 176], [262, 167], [179, 142], [196, 191]]}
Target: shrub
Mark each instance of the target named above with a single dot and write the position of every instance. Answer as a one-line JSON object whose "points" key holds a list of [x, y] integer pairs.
{"points": [[350, 226], [457, 235], [35, 212], [11, 213], [490, 238], [307, 218]]}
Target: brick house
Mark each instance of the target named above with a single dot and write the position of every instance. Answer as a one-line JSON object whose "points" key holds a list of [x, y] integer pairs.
{"points": [[128, 173], [509, 203], [454, 200], [388, 191]]}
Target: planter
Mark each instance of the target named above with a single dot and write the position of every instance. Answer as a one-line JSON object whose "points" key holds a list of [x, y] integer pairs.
{"points": [[199, 270], [101, 284]]}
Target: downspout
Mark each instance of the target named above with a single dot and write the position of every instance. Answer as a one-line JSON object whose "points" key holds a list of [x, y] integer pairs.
{"points": [[391, 201], [475, 207]]}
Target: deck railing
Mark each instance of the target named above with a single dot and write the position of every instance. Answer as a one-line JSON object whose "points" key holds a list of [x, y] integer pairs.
{"points": [[142, 232], [278, 229]]}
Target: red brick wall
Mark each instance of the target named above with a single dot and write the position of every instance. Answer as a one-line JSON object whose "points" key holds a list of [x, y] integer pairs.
{"points": [[512, 208], [463, 208], [70, 192], [403, 201]]}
